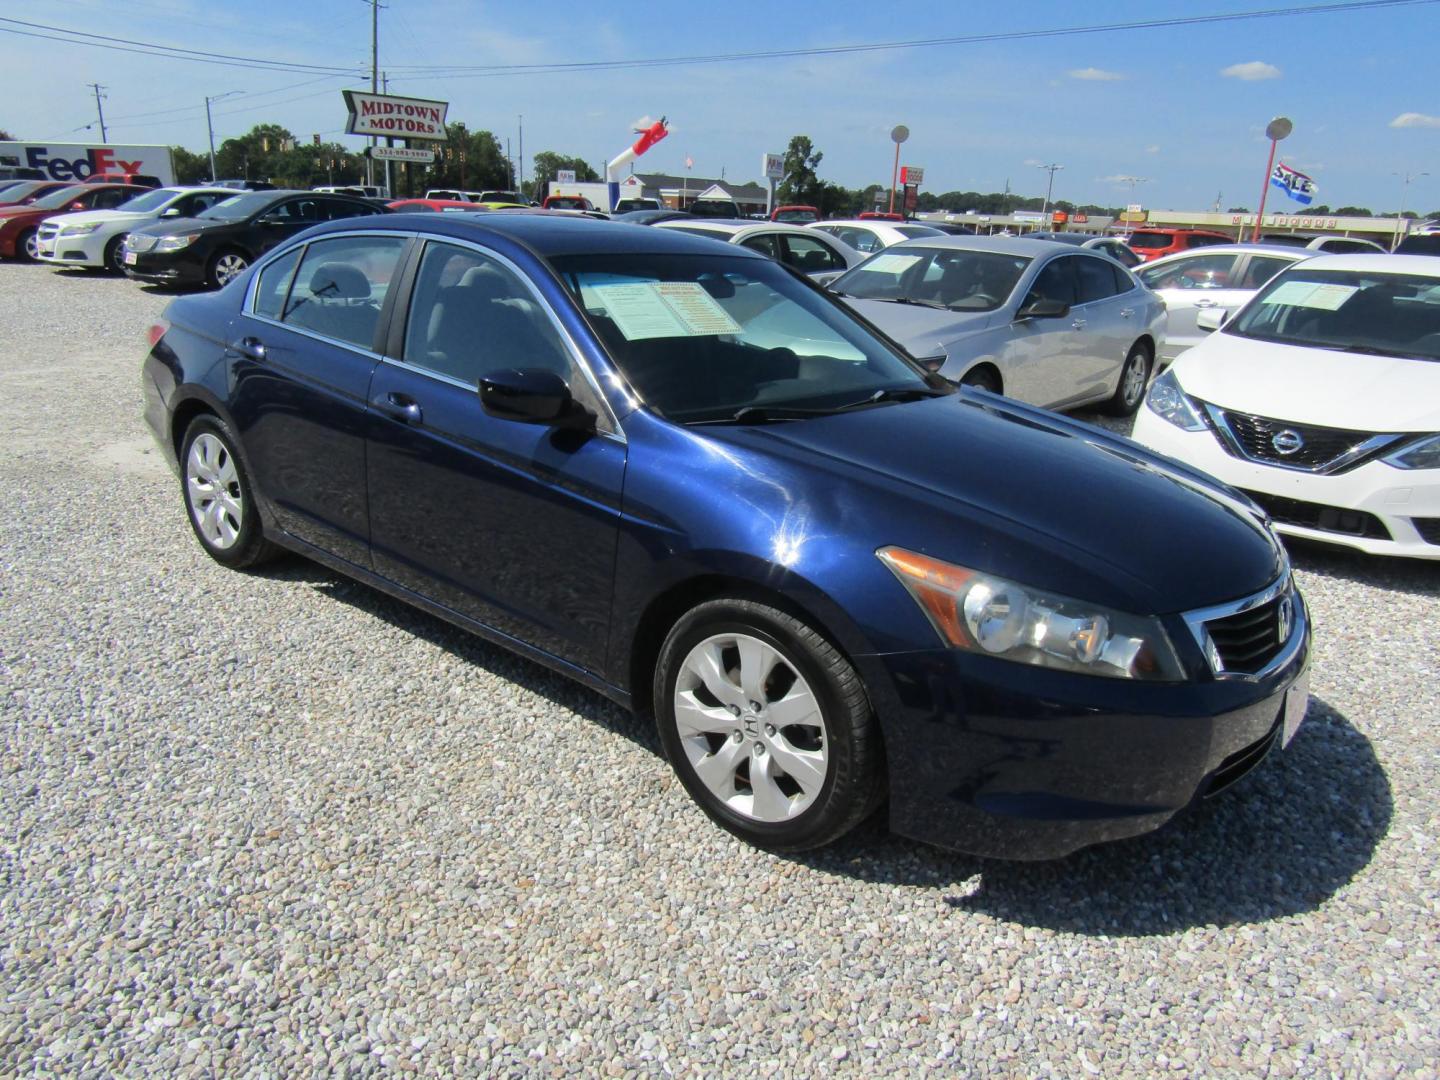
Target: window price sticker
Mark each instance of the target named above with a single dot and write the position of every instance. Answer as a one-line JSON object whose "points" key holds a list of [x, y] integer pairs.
{"points": [[1308, 294], [656, 309]]}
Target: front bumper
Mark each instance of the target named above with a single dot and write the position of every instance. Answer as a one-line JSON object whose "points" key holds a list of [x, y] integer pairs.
{"points": [[181, 267], [1006, 760], [1374, 508], [60, 250]]}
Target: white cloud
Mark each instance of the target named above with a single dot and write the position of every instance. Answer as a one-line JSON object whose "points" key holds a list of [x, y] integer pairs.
{"points": [[1152, 149], [1093, 74], [1252, 71], [1415, 119]]}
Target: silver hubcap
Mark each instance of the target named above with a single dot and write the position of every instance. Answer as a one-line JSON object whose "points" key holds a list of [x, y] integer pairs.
{"points": [[1134, 377], [213, 486], [751, 727], [228, 267], [32, 246]]}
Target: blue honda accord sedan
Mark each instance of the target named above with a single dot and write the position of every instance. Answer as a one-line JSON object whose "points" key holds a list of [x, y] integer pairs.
{"points": [[678, 473]]}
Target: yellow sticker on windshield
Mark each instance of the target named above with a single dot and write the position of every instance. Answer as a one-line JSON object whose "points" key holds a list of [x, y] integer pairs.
{"points": [[1310, 294], [892, 264], [656, 309]]}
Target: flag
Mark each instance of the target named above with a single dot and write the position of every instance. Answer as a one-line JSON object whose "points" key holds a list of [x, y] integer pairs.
{"points": [[1295, 184], [689, 162]]}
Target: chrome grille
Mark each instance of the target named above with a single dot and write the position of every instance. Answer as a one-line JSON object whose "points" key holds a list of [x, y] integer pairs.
{"points": [[47, 231], [140, 242], [1250, 637], [1262, 438]]}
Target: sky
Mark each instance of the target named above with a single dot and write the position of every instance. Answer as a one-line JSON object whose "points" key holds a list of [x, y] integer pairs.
{"points": [[1182, 107]]}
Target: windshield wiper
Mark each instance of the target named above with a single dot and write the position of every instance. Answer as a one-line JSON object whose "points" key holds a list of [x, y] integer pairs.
{"points": [[1374, 350], [768, 414], [902, 393]]}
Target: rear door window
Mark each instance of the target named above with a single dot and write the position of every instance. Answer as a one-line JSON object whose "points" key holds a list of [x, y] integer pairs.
{"points": [[1094, 281], [341, 285], [274, 284]]}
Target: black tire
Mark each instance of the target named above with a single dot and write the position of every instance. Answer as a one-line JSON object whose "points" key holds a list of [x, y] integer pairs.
{"points": [[1134, 381], [220, 266], [26, 249], [983, 378], [112, 255], [853, 784], [248, 547]]}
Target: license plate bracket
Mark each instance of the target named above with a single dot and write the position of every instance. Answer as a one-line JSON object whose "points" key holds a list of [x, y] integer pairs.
{"points": [[1297, 701]]}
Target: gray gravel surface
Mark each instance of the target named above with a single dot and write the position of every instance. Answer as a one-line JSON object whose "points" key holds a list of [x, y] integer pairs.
{"points": [[278, 825]]}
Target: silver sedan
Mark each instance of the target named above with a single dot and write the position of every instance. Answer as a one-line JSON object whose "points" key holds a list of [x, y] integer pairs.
{"points": [[1035, 320]]}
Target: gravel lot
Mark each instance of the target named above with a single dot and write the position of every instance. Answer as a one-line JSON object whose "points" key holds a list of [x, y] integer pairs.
{"points": [[279, 824]]}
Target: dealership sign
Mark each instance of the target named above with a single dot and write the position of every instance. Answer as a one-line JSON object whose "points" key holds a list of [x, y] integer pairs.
{"points": [[395, 117]]}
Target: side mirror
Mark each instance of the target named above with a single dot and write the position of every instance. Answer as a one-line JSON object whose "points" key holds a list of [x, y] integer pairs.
{"points": [[1044, 309], [1208, 319], [531, 396], [170, 211]]}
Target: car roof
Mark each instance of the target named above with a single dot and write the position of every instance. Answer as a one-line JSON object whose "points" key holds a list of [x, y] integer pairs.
{"points": [[1378, 263], [1282, 251], [733, 227], [1001, 245], [545, 233]]}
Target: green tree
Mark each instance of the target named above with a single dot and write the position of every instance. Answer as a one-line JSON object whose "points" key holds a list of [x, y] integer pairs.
{"points": [[189, 168], [1353, 211], [468, 161], [801, 183], [5, 136], [547, 163]]}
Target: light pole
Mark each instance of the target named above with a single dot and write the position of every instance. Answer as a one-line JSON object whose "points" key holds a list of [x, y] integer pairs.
{"points": [[898, 134], [1132, 181], [210, 127], [1400, 222], [1052, 169], [1276, 130]]}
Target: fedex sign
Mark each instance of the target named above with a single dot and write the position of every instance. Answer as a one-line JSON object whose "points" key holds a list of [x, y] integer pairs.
{"points": [[80, 161]]}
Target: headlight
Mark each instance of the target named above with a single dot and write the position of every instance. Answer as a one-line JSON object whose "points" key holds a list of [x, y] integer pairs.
{"points": [[78, 230], [982, 613], [175, 243], [1168, 400], [1422, 454]]}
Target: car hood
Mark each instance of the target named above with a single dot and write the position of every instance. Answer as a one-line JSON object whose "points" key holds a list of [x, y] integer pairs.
{"points": [[174, 226], [1010, 489], [7, 212], [924, 331], [1307, 385], [100, 217]]}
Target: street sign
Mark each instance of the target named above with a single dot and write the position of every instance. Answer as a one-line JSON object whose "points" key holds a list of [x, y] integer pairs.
{"points": [[383, 115], [413, 154], [911, 174], [565, 176], [773, 167], [1134, 208]]}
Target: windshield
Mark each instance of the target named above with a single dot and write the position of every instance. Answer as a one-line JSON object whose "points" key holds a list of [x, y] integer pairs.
{"points": [[913, 232], [24, 190], [1148, 241], [702, 338], [151, 200], [238, 207], [1348, 310], [796, 215], [56, 199], [954, 278]]}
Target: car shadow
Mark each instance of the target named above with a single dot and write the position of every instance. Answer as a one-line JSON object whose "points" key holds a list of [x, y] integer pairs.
{"points": [[1282, 841], [1420, 577]]}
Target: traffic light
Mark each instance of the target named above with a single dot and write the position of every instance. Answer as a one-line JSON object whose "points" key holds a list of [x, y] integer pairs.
{"points": [[316, 138]]}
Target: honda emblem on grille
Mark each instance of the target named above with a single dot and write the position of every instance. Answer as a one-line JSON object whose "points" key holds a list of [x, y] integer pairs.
{"points": [[1284, 620], [1287, 442]]}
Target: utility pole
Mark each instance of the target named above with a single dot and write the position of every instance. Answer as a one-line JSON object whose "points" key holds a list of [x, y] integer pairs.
{"points": [[1052, 169], [374, 78], [210, 127], [389, 188], [99, 108], [521, 154], [1132, 181]]}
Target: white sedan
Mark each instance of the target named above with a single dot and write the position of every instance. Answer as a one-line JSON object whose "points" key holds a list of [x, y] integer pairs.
{"points": [[93, 239], [1221, 277], [868, 236], [821, 258], [1320, 399]]}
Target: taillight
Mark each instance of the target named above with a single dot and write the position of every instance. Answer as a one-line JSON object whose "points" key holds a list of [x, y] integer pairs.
{"points": [[157, 331]]}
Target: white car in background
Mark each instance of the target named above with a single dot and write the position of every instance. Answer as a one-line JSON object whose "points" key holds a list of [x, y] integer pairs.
{"points": [[93, 239], [1320, 400], [1219, 278], [821, 258], [868, 237]]}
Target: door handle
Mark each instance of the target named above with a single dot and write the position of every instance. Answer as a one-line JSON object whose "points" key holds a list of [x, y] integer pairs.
{"points": [[251, 348], [1126, 312], [1078, 324], [400, 407], [1207, 303]]}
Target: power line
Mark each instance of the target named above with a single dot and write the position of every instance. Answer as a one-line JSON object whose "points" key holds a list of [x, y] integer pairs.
{"points": [[194, 109]]}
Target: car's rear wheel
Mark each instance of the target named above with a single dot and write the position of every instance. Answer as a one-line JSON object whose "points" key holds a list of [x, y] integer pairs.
{"points": [[28, 245], [225, 267], [1134, 378], [113, 257], [219, 499], [767, 725], [982, 377]]}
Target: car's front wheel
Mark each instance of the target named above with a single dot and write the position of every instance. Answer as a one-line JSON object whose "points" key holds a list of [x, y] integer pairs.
{"points": [[219, 499], [28, 245], [1134, 378], [767, 725], [114, 257], [225, 267]]}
